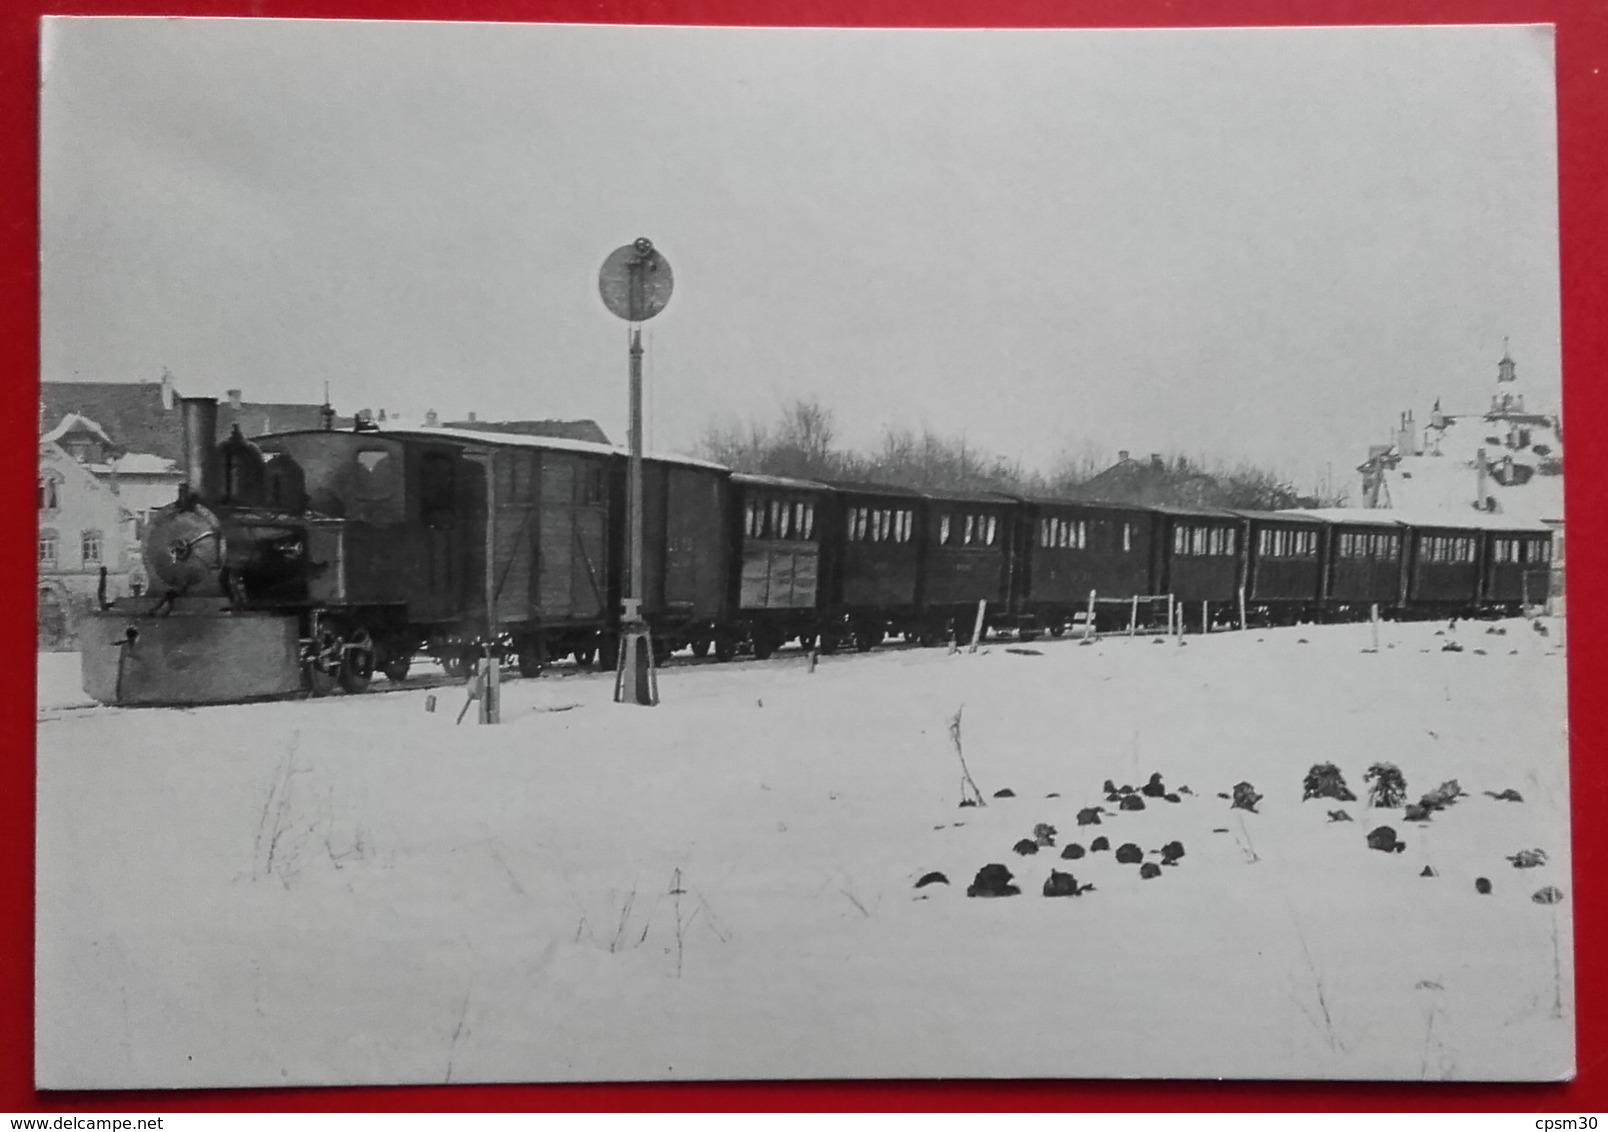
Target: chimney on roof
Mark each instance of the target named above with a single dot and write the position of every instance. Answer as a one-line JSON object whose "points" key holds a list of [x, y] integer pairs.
{"points": [[1156, 461], [234, 399], [1122, 455], [431, 419], [167, 388], [471, 416]]}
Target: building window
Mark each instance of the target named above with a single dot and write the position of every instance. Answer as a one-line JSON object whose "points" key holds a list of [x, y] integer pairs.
{"points": [[90, 543], [49, 492], [47, 550]]}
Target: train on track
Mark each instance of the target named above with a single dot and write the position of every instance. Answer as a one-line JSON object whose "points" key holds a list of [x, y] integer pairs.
{"points": [[309, 561]]}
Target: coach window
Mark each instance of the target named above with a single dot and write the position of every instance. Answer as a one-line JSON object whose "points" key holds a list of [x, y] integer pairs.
{"points": [[993, 529], [1127, 537], [376, 477]]}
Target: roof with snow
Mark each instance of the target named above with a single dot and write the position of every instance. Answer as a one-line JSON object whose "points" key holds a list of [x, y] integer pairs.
{"points": [[77, 422], [1506, 460]]}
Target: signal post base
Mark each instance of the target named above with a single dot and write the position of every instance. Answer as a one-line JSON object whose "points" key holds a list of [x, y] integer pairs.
{"points": [[636, 680]]}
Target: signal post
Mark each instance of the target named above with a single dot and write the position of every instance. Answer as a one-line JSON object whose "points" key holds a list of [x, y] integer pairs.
{"points": [[635, 283]]}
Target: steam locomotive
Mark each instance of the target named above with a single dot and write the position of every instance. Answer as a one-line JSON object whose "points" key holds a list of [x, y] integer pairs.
{"points": [[309, 561]]}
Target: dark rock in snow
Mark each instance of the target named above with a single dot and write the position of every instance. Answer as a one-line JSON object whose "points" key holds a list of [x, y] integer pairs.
{"points": [[1132, 802], [1098, 844], [1088, 817], [1044, 834], [1149, 871], [1005, 793], [964, 802], [1245, 797], [1415, 813], [1482, 885], [1506, 796], [932, 878], [1172, 852], [1072, 852], [1172, 798], [1428, 872], [1548, 895], [1062, 884], [1052, 794], [1108, 786], [1451, 646], [1384, 839], [992, 880], [1129, 854], [1528, 859], [1154, 788], [1025, 847], [1339, 815], [1126, 789]]}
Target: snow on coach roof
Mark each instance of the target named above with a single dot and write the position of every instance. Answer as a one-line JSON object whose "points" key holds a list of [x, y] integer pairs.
{"points": [[1474, 520], [556, 443], [759, 480]]}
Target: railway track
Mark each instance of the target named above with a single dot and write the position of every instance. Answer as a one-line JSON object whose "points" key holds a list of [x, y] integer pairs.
{"points": [[564, 670]]}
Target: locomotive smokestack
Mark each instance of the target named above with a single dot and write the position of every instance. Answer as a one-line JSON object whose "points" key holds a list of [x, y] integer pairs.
{"points": [[200, 417]]}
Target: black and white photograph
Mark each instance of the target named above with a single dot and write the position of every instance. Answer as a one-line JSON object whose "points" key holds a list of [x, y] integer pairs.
{"points": [[619, 553]]}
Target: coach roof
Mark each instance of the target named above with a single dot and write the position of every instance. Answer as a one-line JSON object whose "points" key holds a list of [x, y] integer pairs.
{"points": [[552, 443]]}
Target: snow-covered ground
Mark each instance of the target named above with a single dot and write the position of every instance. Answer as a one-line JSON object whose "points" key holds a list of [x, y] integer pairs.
{"points": [[357, 890]]}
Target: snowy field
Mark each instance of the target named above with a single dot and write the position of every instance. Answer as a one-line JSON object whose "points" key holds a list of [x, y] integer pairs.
{"points": [[355, 890]]}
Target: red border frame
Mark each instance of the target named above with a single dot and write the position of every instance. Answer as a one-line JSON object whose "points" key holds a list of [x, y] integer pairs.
{"points": [[1582, 56]]}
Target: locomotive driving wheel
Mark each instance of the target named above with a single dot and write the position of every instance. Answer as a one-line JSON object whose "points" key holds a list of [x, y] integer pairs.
{"points": [[357, 668]]}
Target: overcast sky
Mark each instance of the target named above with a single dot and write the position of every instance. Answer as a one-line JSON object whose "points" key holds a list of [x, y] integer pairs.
{"points": [[1258, 244]]}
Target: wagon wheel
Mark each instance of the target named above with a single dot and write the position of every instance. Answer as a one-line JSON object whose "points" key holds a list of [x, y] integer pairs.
{"points": [[532, 656], [395, 662], [866, 639], [321, 660], [829, 643], [1058, 628], [357, 668], [764, 644], [725, 647], [700, 647], [584, 656], [806, 641]]}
